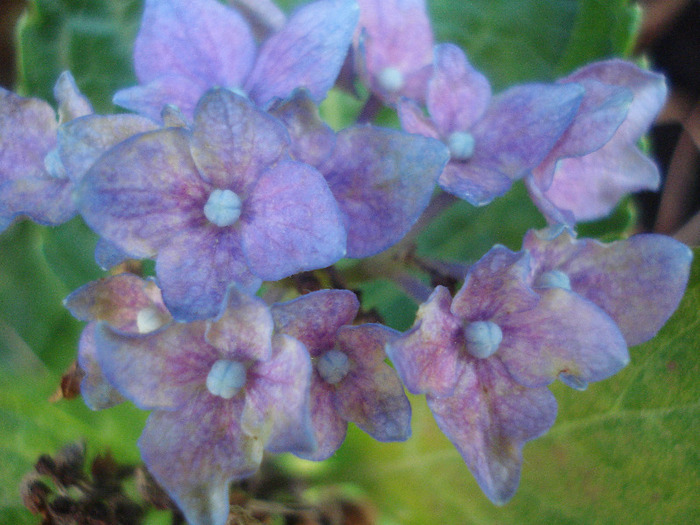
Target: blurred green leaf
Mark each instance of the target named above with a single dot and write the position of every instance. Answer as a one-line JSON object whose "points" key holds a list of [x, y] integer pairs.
{"points": [[91, 38], [623, 451]]}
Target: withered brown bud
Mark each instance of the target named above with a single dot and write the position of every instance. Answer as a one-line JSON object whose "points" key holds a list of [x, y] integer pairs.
{"points": [[70, 383], [34, 493]]}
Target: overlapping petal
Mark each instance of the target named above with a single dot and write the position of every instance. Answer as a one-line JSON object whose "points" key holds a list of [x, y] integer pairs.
{"points": [[383, 180], [639, 281]]}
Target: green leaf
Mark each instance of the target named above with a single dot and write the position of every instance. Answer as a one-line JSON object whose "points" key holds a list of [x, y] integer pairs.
{"points": [[91, 38], [623, 451]]}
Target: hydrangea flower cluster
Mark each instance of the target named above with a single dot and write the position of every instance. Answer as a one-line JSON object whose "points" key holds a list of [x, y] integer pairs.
{"points": [[228, 178]]}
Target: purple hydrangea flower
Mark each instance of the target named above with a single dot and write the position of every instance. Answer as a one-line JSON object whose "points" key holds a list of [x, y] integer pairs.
{"points": [[217, 204], [639, 281], [492, 141], [350, 381], [186, 47], [125, 302], [394, 48], [597, 161], [220, 392], [29, 185], [484, 360]]}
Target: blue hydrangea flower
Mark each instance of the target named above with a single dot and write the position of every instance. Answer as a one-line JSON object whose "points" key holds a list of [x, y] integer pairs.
{"points": [[393, 48], [597, 161], [484, 360], [639, 281], [29, 184], [492, 141], [186, 47], [220, 392], [125, 302], [220, 203], [350, 381]]}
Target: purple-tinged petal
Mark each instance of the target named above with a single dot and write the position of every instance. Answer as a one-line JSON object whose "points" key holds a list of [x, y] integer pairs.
{"points": [[263, 16], [314, 318], [522, 125], [474, 183], [197, 39], [589, 187], [82, 141], [488, 419], [371, 395], [233, 142], [383, 180], [27, 135], [563, 334], [328, 426], [394, 35], [458, 94], [71, 102], [196, 268], [498, 283], [602, 111], [312, 139], [277, 402], [552, 213], [150, 371], [308, 52], [194, 453], [639, 282], [426, 356], [150, 99], [649, 90], [108, 254], [119, 300], [243, 331], [414, 120], [142, 191], [291, 222], [96, 391]]}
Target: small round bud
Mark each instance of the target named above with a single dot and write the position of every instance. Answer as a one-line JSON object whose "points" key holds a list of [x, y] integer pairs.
{"points": [[226, 378], [483, 338], [461, 145], [333, 366], [149, 319], [553, 279], [223, 207], [390, 79]]}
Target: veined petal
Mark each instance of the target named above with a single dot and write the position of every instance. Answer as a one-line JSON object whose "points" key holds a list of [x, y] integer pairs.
{"points": [[328, 426], [165, 369], [563, 334], [458, 94], [97, 392], [71, 102], [426, 356], [307, 52], [291, 222], [233, 142], [171, 89], [196, 268], [639, 281], [383, 180], [197, 39], [414, 120], [195, 452], [489, 418], [243, 330], [277, 406], [522, 125], [314, 318], [143, 190], [474, 183]]}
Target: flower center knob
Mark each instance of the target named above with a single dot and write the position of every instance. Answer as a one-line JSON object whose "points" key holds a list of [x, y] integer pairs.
{"points": [[483, 338], [226, 378], [223, 207], [149, 319], [390, 79], [333, 366], [461, 145], [553, 279]]}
